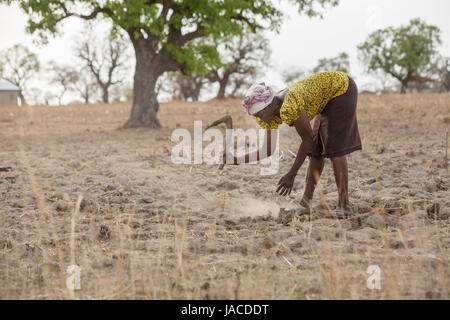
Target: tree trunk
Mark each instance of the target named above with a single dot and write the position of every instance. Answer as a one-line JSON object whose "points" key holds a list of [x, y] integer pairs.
{"points": [[145, 105], [222, 86], [404, 86], [105, 96], [447, 87], [149, 66], [419, 86], [22, 99], [196, 94]]}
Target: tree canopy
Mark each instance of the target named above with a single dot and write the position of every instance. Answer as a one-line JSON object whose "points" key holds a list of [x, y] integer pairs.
{"points": [[162, 33], [170, 24], [403, 53]]}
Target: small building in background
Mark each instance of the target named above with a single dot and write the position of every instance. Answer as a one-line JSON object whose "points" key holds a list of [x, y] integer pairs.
{"points": [[9, 94]]}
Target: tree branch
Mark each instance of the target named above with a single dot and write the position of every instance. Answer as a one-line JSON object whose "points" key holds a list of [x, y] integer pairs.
{"points": [[253, 26], [190, 36], [91, 16]]}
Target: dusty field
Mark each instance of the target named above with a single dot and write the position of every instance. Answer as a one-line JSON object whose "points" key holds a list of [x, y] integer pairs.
{"points": [[150, 229]]}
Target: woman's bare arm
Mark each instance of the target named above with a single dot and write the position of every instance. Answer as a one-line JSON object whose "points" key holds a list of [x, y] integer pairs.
{"points": [[259, 154], [303, 127], [305, 131]]}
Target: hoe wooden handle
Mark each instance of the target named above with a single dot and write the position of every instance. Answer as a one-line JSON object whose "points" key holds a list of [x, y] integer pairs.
{"points": [[228, 121]]}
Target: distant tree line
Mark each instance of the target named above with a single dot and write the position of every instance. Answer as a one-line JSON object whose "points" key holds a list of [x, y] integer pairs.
{"points": [[97, 71], [166, 35], [224, 66]]}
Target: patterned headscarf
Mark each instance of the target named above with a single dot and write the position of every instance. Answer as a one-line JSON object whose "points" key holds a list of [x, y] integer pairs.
{"points": [[257, 98]]}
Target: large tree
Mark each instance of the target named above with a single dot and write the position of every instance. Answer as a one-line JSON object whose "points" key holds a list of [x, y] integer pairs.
{"points": [[404, 53], [340, 62], [162, 33], [17, 65]]}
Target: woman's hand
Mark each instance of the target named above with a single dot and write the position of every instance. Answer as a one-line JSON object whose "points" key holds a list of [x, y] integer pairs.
{"points": [[286, 183]]}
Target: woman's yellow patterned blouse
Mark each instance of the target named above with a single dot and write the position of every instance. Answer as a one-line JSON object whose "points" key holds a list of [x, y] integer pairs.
{"points": [[310, 94]]}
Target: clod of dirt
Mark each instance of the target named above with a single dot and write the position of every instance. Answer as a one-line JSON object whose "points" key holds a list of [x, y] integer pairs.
{"points": [[229, 185], [431, 187], [380, 150], [135, 223], [87, 203], [147, 200], [58, 195], [398, 242], [283, 234], [109, 187], [75, 165], [316, 234], [358, 236], [294, 242], [108, 262], [268, 242], [375, 221], [61, 205], [214, 246]]}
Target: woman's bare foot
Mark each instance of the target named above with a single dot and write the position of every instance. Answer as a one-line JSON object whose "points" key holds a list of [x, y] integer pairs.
{"points": [[306, 207], [344, 211]]}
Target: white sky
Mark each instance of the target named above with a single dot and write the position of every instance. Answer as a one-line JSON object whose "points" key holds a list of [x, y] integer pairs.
{"points": [[301, 42]]}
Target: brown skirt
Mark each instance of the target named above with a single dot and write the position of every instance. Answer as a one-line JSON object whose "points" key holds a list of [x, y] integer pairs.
{"points": [[335, 128]]}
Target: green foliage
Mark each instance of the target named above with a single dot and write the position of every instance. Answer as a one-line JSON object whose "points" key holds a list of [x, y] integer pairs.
{"points": [[166, 23], [339, 63], [196, 56], [401, 52], [313, 8]]}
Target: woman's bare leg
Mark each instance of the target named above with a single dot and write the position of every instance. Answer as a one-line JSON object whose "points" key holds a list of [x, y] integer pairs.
{"points": [[315, 168], [340, 169]]}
